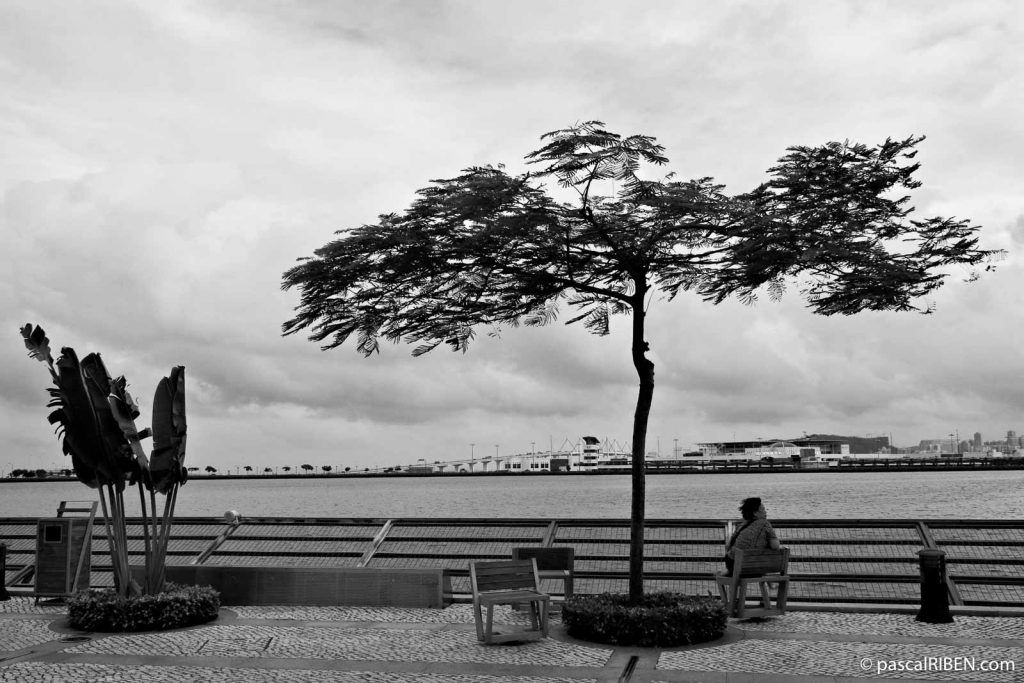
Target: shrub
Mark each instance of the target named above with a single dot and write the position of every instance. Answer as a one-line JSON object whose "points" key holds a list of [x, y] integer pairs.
{"points": [[177, 606], [658, 620]]}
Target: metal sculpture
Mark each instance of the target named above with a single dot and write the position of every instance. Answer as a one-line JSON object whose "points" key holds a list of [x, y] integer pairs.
{"points": [[95, 418]]}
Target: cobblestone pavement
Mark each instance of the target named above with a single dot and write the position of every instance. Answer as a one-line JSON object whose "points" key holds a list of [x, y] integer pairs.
{"points": [[395, 645]]}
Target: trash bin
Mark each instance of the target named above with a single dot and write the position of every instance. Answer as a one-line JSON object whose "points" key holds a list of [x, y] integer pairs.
{"points": [[63, 555]]}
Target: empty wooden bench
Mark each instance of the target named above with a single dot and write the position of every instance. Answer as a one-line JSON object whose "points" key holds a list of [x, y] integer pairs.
{"points": [[552, 563], [762, 567], [508, 582]]}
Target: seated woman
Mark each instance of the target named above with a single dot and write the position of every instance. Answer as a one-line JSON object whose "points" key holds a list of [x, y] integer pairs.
{"points": [[756, 533]]}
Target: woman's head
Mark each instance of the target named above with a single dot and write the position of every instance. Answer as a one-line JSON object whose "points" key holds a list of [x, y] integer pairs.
{"points": [[750, 507]]}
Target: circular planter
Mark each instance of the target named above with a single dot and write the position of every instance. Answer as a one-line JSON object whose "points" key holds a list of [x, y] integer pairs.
{"points": [[178, 606], [657, 620]]}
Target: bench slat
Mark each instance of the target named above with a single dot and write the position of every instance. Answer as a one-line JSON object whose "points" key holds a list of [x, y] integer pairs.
{"points": [[505, 597], [505, 575]]}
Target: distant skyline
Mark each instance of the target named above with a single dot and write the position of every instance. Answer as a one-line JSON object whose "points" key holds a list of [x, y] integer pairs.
{"points": [[165, 163]]}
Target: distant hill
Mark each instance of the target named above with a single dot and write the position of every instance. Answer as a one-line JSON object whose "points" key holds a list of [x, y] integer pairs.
{"points": [[858, 444]]}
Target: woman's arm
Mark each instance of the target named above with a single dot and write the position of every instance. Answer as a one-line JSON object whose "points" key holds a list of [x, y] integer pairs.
{"points": [[771, 536]]}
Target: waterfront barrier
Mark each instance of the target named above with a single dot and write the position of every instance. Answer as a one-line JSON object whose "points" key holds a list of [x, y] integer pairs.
{"points": [[316, 586], [833, 561]]}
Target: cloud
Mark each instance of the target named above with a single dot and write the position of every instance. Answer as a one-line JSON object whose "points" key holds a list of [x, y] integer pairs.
{"points": [[165, 163]]}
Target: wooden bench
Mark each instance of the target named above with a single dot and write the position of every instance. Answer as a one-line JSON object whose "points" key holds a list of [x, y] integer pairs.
{"points": [[552, 563], [762, 567], [508, 582]]}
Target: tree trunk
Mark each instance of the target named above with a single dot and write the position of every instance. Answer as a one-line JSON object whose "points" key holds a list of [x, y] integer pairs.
{"points": [[645, 371]]}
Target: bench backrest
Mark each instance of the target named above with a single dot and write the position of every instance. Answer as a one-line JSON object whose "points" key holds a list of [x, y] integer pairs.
{"points": [[757, 562], [548, 559], [503, 575]]}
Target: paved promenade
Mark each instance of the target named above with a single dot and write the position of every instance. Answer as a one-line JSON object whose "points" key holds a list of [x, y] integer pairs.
{"points": [[391, 645]]}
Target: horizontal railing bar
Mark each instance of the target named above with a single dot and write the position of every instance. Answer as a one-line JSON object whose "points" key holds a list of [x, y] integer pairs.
{"points": [[568, 521]]}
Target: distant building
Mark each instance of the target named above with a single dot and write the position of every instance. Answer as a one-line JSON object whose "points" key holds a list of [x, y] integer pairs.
{"points": [[935, 446]]}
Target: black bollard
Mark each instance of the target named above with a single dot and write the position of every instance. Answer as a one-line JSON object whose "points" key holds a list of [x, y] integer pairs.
{"points": [[4, 595], [934, 594]]}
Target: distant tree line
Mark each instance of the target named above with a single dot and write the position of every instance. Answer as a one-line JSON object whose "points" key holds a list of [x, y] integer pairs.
{"points": [[40, 474]]}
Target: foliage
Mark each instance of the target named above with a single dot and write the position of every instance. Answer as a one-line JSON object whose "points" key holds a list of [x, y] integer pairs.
{"points": [[488, 249], [30, 474], [95, 419], [656, 620], [175, 607]]}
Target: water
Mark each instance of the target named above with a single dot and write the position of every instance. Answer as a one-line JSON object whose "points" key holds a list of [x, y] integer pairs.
{"points": [[848, 495]]}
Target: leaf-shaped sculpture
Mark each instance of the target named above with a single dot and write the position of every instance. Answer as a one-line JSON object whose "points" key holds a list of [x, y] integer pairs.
{"points": [[116, 452], [169, 431], [76, 423], [37, 344], [124, 410], [95, 418]]}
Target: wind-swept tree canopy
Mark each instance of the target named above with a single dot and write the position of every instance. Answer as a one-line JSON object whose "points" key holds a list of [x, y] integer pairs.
{"points": [[488, 249]]}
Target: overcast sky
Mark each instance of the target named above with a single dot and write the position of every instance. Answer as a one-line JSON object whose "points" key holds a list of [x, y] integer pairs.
{"points": [[163, 163]]}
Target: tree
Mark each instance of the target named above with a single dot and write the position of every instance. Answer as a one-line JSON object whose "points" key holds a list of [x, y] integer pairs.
{"points": [[307, 468], [286, 468], [487, 249], [267, 470], [325, 468], [210, 469], [247, 468]]}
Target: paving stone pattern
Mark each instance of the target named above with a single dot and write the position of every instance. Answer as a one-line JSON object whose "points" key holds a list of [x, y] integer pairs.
{"points": [[35, 672], [1010, 628], [825, 658], [454, 614], [23, 633], [353, 643], [389, 645]]}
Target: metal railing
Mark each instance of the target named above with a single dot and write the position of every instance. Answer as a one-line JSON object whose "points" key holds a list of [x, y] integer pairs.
{"points": [[832, 560]]}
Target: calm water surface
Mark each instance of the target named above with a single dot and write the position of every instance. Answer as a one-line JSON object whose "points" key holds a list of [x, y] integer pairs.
{"points": [[867, 495]]}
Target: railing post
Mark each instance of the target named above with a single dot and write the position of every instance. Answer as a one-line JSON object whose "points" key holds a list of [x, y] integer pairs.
{"points": [[934, 593], [4, 595]]}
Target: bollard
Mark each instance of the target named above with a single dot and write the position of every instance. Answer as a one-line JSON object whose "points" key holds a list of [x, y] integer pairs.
{"points": [[934, 594], [4, 595]]}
